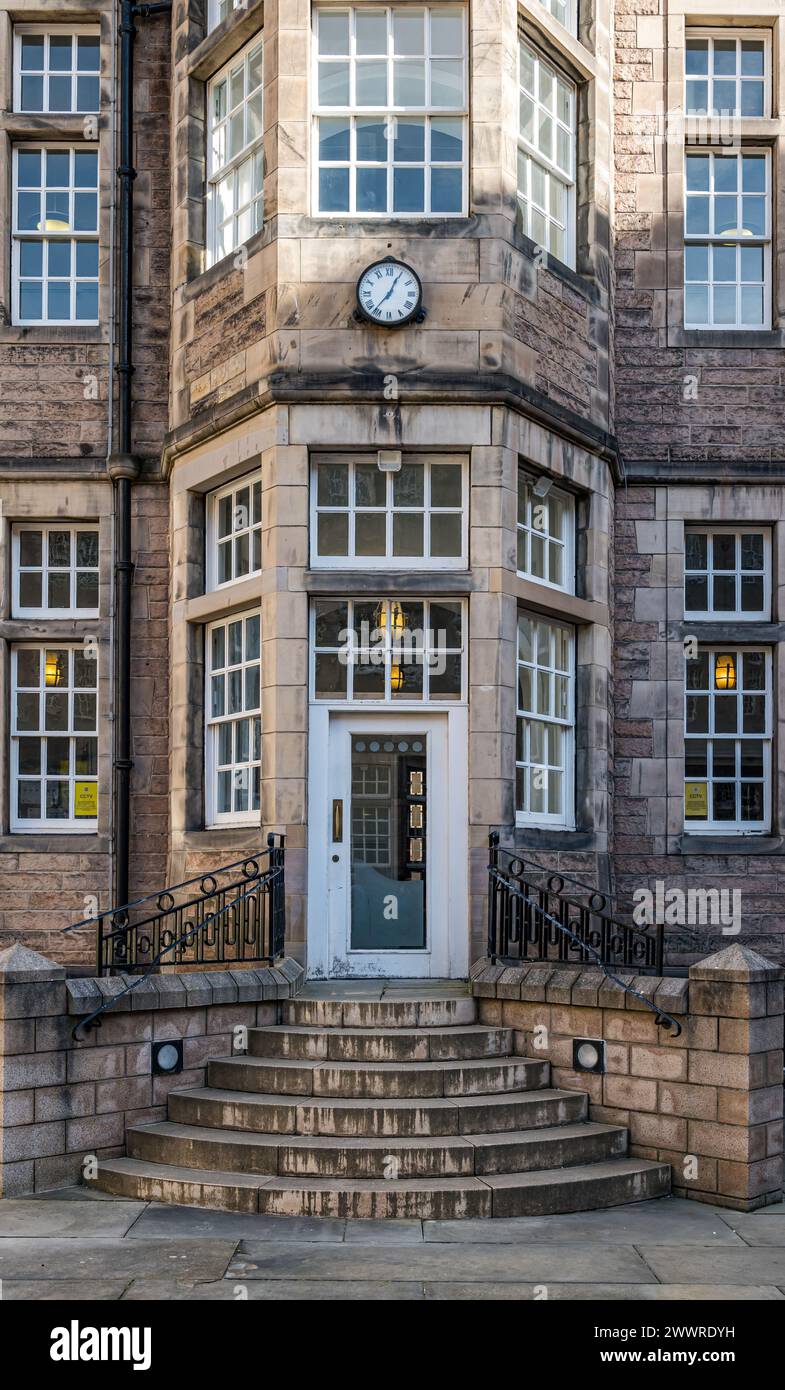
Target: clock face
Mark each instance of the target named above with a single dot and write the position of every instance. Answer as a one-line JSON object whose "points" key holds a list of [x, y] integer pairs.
{"points": [[389, 293]]}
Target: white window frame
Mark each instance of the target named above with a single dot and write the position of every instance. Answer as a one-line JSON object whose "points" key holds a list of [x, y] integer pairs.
{"points": [[45, 237], [564, 820], [389, 560], [550, 167], [566, 544], [214, 16], [213, 723], [732, 827], [240, 527], [252, 151], [56, 30], [353, 111], [45, 528], [570, 21], [352, 646], [725, 239], [41, 825], [737, 614], [761, 35]]}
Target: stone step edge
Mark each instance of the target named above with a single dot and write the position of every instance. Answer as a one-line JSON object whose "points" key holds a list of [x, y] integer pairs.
{"points": [[571, 1129], [217, 1178]]}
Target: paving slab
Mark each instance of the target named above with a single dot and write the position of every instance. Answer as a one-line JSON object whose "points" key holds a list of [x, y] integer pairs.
{"points": [[182, 1223], [24, 1216], [275, 1291], [606, 1293], [112, 1259], [753, 1232], [71, 1194], [61, 1290], [686, 1264], [540, 1263], [662, 1221], [734, 1219], [370, 1232]]}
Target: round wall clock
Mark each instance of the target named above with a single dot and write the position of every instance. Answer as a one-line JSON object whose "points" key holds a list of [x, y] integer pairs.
{"points": [[389, 293]]}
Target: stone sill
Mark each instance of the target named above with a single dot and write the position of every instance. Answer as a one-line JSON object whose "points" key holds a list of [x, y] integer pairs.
{"points": [[188, 989], [690, 843], [576, 985]]}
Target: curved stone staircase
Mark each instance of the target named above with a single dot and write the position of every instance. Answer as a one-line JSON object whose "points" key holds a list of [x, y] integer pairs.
{"points": [[381, 1108]]}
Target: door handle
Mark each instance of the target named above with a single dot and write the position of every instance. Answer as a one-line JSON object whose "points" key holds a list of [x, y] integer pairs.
{"points": [[337, 821]]}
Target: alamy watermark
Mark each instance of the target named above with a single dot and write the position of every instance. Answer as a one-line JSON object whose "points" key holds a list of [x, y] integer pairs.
{"points": [[690, 907]]}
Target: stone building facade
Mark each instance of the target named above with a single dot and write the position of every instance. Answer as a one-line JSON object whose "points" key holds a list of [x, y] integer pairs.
{"points": [[509, 476]]}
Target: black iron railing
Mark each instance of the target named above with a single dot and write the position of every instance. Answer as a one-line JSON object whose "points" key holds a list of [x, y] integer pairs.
{"points": [[535, 914], [234, 914], [538, 921]]}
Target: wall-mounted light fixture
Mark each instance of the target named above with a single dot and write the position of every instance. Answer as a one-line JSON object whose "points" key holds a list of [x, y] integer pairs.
{"points": [[167, 1057], [588, 1054]]}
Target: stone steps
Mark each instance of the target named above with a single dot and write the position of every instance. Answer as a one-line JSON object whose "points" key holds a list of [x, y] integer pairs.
{"points": [[436, 1044], [404, 1119], [376, 1080], [582, 1188], [380, 1107], [191, 1146]]}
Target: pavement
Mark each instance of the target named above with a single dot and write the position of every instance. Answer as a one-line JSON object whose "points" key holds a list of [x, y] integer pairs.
{"points": [[76, 1245]]}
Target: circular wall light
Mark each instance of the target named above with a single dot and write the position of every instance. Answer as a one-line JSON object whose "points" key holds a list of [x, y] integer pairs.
{"points": [[167, 1057], [588, 1054]]}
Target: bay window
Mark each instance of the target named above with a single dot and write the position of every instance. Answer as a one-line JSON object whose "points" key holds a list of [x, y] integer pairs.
{"points": [[234, 723], [234, 531], [546, 534], [545, 737], [365, 517], [235, 159], [390, 121], [546, 154]]}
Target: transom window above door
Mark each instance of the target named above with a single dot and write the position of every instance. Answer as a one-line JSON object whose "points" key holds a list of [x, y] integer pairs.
{"points": [[391, 106], [234, 531], [367, 517], [387, 650]]}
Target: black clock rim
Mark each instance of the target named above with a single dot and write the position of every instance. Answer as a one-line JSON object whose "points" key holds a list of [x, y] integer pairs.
{"points": [[399, 323]]}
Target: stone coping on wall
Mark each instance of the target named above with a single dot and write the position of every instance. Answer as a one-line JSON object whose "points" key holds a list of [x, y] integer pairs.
{"points": [[545, 982], [188, 989]]}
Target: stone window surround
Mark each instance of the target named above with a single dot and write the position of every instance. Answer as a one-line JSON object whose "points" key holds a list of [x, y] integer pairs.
{"points": [[758, 131], [31, 501], [713, 504], [16, 127], [576, 57]]}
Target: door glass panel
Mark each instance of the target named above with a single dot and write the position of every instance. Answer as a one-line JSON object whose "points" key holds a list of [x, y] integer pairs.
{"points": [[388, 842]]}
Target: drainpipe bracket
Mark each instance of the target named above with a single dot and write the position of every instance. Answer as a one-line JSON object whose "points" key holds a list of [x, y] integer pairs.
{"points": [[122, 466]]}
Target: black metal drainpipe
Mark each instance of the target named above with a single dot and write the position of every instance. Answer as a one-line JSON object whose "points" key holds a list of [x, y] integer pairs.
{"points": [[122, 467]]}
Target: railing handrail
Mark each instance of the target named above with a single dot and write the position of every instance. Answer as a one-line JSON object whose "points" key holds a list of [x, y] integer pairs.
{"points": [[174, 887], [186, 938], [663, 1019], [610, 900]]}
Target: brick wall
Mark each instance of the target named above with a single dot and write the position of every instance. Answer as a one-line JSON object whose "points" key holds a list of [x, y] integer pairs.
{"points": [[708, 1101], [64, 1101]]}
